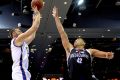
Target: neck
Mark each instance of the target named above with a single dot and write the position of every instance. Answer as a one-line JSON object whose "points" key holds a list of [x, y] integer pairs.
{"points": [[80, 47]]}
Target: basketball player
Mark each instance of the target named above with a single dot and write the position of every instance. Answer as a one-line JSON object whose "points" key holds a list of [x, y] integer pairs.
{"points": [[78, 58], [20, 50]]}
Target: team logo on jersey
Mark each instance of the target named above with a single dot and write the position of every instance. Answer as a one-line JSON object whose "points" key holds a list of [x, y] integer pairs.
{"points": [[74, 55]]}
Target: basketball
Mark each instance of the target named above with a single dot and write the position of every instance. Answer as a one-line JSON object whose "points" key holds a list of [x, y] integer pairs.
{"points": [[37, 3]]}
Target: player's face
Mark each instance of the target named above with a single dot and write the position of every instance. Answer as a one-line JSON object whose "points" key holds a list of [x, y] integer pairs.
{"points": [[79, 42], [18, 31]]}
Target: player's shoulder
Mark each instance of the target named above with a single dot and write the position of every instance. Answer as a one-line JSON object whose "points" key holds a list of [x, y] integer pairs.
{"points": [[89, 51]]}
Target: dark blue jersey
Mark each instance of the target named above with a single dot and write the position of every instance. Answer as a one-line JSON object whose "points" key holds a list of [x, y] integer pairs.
{"points": [[79, 65]]}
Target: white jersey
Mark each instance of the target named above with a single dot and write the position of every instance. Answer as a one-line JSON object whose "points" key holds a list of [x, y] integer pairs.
{"points": [[20, 56]]}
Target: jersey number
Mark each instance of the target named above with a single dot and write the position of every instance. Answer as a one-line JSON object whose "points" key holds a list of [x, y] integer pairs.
{"points": [[79, 60]]}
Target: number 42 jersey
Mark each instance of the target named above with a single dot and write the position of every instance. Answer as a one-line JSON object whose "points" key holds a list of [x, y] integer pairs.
{"points": [[79, 65]]}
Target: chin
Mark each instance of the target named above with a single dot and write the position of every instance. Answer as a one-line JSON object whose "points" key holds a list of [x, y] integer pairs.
{"points": [[74, 46]]}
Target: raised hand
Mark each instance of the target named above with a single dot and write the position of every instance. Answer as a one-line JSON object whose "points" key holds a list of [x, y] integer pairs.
{"points": [[55, 12], [110, 55], [36, 13]]}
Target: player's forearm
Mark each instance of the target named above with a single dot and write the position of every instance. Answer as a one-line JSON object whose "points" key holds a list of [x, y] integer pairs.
{"points": [[102, 54], [36, 22], [33, 28], [61, 31], [107, 55], [60, 27]]}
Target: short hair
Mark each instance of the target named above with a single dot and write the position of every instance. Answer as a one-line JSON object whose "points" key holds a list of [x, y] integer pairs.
{"points": [[82, 40], [11, 31]]}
